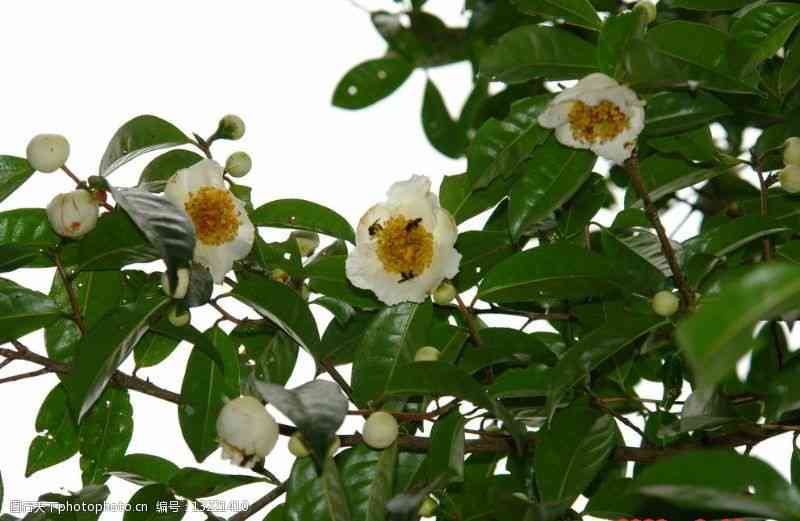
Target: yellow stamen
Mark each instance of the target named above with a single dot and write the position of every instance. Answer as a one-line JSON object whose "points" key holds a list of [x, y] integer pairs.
{"points": [[214, 214], [404, 246], [592, 123]]}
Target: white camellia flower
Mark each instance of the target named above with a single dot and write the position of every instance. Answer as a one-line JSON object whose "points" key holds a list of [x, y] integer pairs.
{"points": [[404, 247], [224, 232], [73, 214], [599, 114], [246, 431]]}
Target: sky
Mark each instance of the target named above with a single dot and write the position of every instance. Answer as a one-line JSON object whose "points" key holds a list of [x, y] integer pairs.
{"points": [[81, 69]]}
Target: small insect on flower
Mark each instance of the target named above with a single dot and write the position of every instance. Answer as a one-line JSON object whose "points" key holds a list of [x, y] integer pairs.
{"points": [[404, 246], [597, 114]]}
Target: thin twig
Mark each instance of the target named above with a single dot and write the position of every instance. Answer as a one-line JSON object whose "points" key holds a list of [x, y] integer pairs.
{"points": [[472, 326], [227, 316], [66, 281], [687, 297], [25, 376], [338, 378], [253, 509], [500, 310], [410, 416], [72, 176]]}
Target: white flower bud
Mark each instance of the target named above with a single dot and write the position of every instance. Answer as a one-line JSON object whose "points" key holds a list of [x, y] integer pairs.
{"points": [[427, 354], [246, 431], [445, 293], [428, 507], [73, 214], [307, 242], [790, 179], [791, 151], [183, 275], [649, 9], [179, 318], [666, 303], [231, 127], [48, 152], [239, 164], [380, 430], [297, 447]]}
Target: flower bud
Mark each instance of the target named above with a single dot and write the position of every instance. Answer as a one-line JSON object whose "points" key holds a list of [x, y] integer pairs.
{"points": [[380, 430], [73, 214], [790, 179], [427, 354], [665, 303], [179, 318], [246, 431], [297, 447], [48, 152], [445, 293], [428, 507], [307, 242], [649, 9], [791, 151], [183, 275], [239, 164], [230, 127], [279, 275]]}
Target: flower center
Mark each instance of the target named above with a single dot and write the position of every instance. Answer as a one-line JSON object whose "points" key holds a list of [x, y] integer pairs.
{"points": [[592, 123], [404, 246], [214, 214]]}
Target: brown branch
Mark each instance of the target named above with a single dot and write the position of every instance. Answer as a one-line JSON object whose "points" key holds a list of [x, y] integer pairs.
{"points": [[66, 281], [410, 416], [25, 376], [500, 310], [338, 378], [687, 296], [253, 509]]}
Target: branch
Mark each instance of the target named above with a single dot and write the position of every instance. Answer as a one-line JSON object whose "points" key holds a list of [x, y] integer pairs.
{"points": [[687, 296], [66, 281], [338, 378], [273, 494], [24, 376]]}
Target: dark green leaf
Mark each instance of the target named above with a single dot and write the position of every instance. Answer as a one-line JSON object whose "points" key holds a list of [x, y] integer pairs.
{"points": [[14, 171], [201, 342], [789, 74], [327, 276], [368, 479], [616, 35], [371, 81], [438, 379], [156, 174], [279, 255], [638, 254], [480, 252], [663, 175], [576, 12], [298, 214], [23, 310], [105, 434], [710, 5], [674, 112], [196, 483], [138, 136], [727, 238], [446, 453], [442, 132], [57, 438], [340, 342], [143, 469], [269, 355], [533, 381], [205, 387], [341, 310], [694, 145], [154, 498], [761, 31], [390, 341], [316, 497], [459, 196], [115, 243], [504, 345], [576, 213], [153, 348], [25, 236]]}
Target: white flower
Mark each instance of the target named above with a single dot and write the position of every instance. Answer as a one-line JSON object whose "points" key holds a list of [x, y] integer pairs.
{"points": [[73, 214], [404, 247], [246, 431], [47, 152], [224, 231], [599, 114]]}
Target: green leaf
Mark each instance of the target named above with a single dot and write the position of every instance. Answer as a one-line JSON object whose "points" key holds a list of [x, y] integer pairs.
{"points": [[153, 348], [316, 497], [576, 213], [23, 310], [57, 438], [532, 51], [105, 347], [341, 310], [391, 340], [277, 514], [571, 451], [327, 276], [616, 35], [710, 5], [761, 31], [718, 333], [458, 195], [83, 504], [438, 379], [25, 236], [205, 387], [340, 342], [105, 434], [167, 227], [442, 132], [371, 81], [789, 75], [143, 469], [694, 145], [153, 498], [547, 274], [638, 254], [282, 255], [201, 342], [283, 306], [269, 354], [729, 237], [795, 467], [297, 214], [506, 345], [663, 175], [480, 252], [113, 244], [317, 408], [575, 12], [368, 479], [531, 382], [675, 112], [195, 483], [500, 146], [138, 136], [446, 453], [721, 480], [156, 174], [14, 171], [548, 179]]}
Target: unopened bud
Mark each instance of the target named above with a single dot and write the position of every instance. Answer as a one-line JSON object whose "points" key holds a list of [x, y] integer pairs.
{"points": [[279, 275], [791, 151], [183, 276], [666, 303], [427, 354], [230, 127], [445, 293], [649, 9], [73, 214], [428, 507], [790, 179], [380, 430], [179, 318], [239, 164], [48, 152]]}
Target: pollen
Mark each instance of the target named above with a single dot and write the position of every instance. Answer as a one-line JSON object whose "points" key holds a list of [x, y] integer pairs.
{"points": [[214, 214], [404, 246], [597, 123]]}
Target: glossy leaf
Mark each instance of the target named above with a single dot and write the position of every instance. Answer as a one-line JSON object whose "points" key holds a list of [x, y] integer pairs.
{"points": [[727, 238], [195, 483], [23, 310], [663, 175], [458, 195], [616, 35], [319, 497], [368, 479], [442, 132], [14, 171], [694, 145], [576, 12], [506, 345], [480, 252], [105, 434], [57, 438], [297, 214], [269, 355], [327, 275], [153, 348], [25, 238], [143, 469], [438, 379], [156, 174], [761, 31], [371, 81], [138, 136], [639, 255], [710, 5]]}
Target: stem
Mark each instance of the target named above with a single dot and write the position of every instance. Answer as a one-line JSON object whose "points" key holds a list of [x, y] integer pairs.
{"points": [[24, 376], [66, 281], [273, 494], [687, 296], [338, 378], [469, 318], [499, 310], [767, 245], [410, 416], [72, 176]]}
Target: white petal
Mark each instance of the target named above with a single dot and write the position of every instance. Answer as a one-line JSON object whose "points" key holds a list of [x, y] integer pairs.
{"points": [[555, 115], [565, 137], [216, 258], [617, 150], [240, 247], [418, 187], [205, 173], [446, 231], [420, 208], [379, 212], [176, 190], [596, 80]]}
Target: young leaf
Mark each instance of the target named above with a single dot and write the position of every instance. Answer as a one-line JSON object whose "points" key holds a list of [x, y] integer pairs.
{"points": [[143, 469], [138, 136], [23, 310], [368, 479], [442, 132], [195, 483], [105, 434], [371, 81], [319, 497], [317, 408], [57, 438], [297, 214], [14, 171]]}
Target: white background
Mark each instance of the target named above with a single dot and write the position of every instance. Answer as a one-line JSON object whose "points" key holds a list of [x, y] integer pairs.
{"points": [[81, 69]]}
